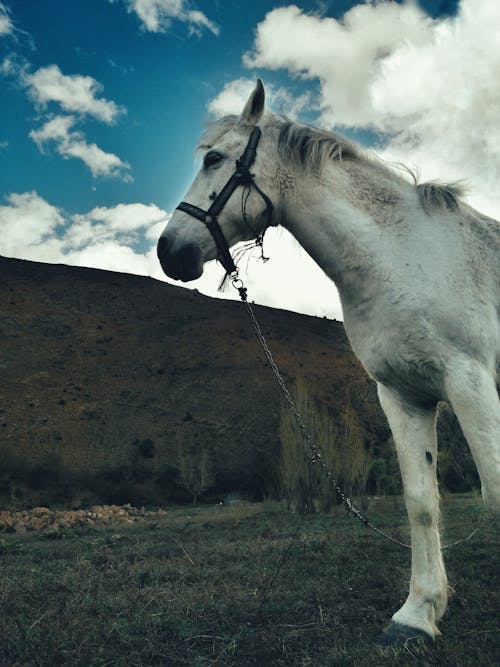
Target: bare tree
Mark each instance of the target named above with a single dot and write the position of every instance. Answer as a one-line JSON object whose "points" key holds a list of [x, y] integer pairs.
{"points": [[194, 470]]}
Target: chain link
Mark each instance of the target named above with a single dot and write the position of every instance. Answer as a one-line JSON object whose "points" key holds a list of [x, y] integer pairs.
{"points": [[316, 457]]}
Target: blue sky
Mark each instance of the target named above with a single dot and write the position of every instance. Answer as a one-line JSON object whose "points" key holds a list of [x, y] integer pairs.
{"points": [[162, 80], [103, 102]]}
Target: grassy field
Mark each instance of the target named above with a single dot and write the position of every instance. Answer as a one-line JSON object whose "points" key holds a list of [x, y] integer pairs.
{"points": [[246, 584]]}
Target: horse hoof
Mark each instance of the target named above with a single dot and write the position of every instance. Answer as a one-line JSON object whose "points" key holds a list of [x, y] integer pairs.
{"points": [[400, 635]]}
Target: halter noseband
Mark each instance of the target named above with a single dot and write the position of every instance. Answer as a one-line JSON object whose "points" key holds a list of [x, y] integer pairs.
{"points": [[242, 176]]}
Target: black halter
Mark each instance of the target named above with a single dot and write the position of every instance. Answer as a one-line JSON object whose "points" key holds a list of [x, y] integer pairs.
{"points": [[241, 176]]}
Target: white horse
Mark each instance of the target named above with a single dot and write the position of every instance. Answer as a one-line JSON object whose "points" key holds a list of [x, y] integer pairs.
{"points": [[418, 273]]}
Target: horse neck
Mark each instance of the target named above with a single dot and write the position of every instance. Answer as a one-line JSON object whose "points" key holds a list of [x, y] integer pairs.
{"points": [[343, 219]]}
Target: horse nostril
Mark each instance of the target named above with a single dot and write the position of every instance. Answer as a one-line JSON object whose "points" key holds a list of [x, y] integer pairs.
{"points": [[180, 261], [162, 247]]}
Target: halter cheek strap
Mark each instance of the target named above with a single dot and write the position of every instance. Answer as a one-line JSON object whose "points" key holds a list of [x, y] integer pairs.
{"points": [[241, 176]]}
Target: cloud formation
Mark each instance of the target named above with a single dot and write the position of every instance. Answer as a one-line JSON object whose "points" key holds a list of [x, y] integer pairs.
{"points": [[233, 96], [119, 238], [428, 85], [74, 93], [440, 101], [157, 15], [6, 25], [344, 55], [71, 93], [123, 221], [25, 222], [71, 143]]}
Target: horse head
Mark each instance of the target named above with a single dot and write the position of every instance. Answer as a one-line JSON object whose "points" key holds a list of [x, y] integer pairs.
{"points": [[227, 201]]}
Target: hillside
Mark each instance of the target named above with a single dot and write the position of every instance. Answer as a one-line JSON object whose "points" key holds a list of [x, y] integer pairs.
{"points": [[103, 370]]}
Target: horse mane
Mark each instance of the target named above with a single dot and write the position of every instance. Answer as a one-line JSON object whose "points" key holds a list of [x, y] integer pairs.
{"points": [[438, 196], [305, 145], [310, 147]]}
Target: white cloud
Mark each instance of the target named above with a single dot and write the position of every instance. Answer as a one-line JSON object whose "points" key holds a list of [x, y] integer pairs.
{"points": [[441, 102], [14, 66], [105, 238], [234, 95], [71, 143], [25, 222], [123, 221], [125, 217], [113, 256], [157, 15], [6, 25], [344, 54], [57, 129], [78, 94], [74, 93], [98, 161], [431, 85]]}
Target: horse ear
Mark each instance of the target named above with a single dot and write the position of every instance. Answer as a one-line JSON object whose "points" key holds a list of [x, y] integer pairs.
{"points": [[254, 108]]}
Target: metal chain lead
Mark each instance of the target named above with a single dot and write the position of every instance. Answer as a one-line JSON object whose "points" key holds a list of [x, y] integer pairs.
{"points": [[316, 457]]}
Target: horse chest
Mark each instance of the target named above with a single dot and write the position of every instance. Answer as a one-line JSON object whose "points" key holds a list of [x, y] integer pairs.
{"points": [[405, 358]]}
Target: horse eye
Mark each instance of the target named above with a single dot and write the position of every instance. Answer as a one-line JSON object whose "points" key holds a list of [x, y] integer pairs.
{"points": [[211, 158]]}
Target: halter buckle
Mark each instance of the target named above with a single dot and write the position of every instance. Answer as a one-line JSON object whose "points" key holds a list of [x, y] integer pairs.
{"points": [[238, 285]]}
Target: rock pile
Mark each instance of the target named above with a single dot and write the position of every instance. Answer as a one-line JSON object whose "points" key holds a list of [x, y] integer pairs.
{"points": [[42, 518]]}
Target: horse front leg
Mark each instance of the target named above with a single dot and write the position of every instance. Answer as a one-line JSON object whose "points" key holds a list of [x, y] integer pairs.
{"points": [[472, 391], [414, 433]]}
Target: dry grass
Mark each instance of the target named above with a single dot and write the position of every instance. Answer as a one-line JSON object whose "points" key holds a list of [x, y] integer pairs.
{"points": [[238, 585]]}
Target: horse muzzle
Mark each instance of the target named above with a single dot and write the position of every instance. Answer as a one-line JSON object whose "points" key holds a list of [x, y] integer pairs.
{"points": [[180, 262]]}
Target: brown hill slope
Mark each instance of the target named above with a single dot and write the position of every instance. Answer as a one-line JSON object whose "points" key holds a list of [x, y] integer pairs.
{"points": [[104, 371]]}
